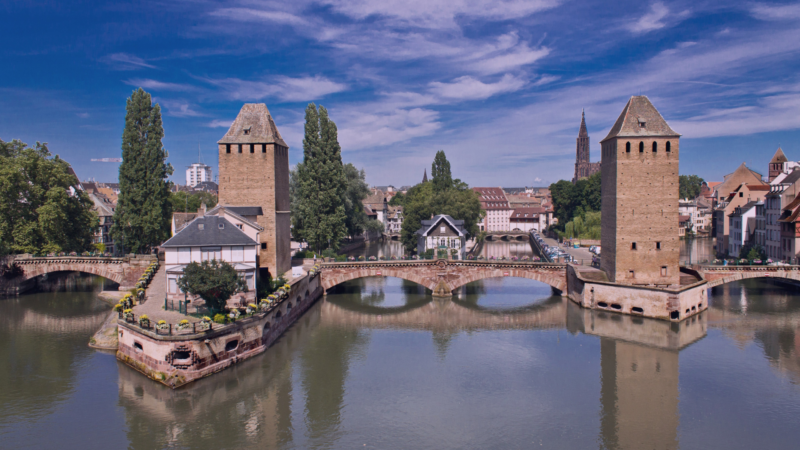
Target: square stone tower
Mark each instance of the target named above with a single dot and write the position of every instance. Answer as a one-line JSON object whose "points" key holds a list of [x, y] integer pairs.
{"points": [[254, 171], [639, 232]]}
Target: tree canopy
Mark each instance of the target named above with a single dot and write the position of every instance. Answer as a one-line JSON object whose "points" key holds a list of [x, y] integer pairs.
{"points": [[42, 209], [689, 186], [143, 213], [190, 202], [214, 281], [441, 195], [574, 200], [319, 214]]}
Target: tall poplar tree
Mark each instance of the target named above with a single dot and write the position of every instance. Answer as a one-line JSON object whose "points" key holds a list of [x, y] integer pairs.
{"points": [[143, 213], [320, 215], [440, 173]]}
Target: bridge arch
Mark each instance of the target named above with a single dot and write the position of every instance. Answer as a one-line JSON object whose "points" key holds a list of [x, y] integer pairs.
{"points": [[101, 270], [556, 281], [715, 279], [364, 272]]}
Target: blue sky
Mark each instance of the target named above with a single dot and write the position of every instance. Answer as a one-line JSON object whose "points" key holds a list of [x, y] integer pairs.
{"points": [[499, 85]]}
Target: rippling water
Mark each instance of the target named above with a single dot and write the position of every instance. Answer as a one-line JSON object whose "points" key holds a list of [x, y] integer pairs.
{"points": [[379, 363]]}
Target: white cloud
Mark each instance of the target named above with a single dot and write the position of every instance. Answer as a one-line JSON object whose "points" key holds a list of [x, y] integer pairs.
{"points": [[468, 88], [258, 15], [159, 85], [179, 108], [439, 13], [83, 115], [359, 129], [779, 112], [283, 88], [653, 20], [771, 12], [124, 61], [219, 124]]}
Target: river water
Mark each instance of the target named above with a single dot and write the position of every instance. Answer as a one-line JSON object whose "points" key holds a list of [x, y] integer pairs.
{"points": [[379, 363]]}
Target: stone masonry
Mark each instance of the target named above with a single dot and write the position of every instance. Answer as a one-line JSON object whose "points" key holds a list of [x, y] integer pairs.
{"points": [[640, 198], [254, 171], [125, 271]]}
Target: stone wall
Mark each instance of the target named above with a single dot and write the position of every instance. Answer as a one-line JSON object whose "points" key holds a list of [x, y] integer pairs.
{"points": [[640, 206], [124, 271], [260, 178], [180, 359], [653, 302]]}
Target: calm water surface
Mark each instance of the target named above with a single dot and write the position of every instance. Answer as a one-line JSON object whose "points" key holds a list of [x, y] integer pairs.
{"points": [[380, 364]]}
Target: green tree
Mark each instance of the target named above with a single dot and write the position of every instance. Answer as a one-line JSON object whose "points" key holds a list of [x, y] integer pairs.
{"points": [[399, 199], [689, 186], [143, 213], [575, 200], [440, 173], [190, 202], [41, 207], [356, 190], [423, 201], [213, 281], [320, 216]]}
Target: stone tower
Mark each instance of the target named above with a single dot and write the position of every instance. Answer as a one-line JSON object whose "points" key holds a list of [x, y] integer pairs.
{"points": [[639, 231], [584, 168], [777, 164], [254, 171]]}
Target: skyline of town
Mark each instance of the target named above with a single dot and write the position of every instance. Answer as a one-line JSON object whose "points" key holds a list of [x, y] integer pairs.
{"points": [[508, 79]]}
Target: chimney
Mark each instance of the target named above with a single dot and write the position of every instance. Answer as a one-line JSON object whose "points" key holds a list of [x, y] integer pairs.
{"points": [[202, 211]]}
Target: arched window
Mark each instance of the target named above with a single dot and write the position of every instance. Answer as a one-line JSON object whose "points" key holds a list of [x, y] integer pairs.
{"points": [[627, 147], [655, 147], [641, 147], [668, 146]]}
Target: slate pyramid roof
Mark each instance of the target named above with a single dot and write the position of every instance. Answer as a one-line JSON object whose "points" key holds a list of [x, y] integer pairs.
{"points": [[583, 132], [640, 118], [779, 157], [253, 125]]}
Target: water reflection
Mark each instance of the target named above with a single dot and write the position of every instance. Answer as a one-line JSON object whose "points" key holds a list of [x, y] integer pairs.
{"points": [[383, 248], [380, 362], [506, 249]]}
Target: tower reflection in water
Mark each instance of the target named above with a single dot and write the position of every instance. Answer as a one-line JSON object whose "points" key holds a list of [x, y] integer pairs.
{"points": [[303, 376]]}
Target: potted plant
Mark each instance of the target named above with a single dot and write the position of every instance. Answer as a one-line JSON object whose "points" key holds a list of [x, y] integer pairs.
{"points": [[183, 325], [234, 314], [251, 308], [144, 321], [162, 325], [128, 315]]}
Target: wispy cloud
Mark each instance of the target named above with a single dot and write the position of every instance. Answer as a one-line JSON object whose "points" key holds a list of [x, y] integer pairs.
{"points": [[287, 89], [219, 124], [658, 17], [159, 85], [258, 15], [179, 108], [468, 88], [776, 12], [83, 115], [125, 61]]}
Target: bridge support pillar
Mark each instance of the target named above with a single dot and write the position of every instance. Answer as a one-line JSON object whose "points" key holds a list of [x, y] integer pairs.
{"points": [[442, 289]]}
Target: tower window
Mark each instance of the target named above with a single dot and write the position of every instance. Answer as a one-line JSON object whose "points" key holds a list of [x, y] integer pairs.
{"points": [[663, 271], [263, 148], [641, 147], [627, 147], [668, 146], [240, 148], [633, 245], [642, 123], [263, 246], [658, 245], [655, 147], [246, 131], [227, 148], [252, 148]]}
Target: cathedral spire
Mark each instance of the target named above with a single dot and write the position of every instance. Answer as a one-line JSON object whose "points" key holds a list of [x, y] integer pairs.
{"points": [[583, 132], [425, 176]]}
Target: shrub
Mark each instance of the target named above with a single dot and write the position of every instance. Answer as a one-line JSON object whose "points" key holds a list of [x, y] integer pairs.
{"points": [[220, 318]]}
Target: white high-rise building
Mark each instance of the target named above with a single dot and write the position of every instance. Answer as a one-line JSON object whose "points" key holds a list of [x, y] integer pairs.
{"points": [[198, 173]]}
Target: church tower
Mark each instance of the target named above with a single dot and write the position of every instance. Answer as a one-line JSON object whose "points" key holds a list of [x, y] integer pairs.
{"points": [[584, 168], [254, 171], [777, 164], [639, 230]]}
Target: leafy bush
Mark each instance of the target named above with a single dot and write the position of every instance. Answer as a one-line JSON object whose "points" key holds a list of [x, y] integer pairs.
{"points": [[220, 318]]}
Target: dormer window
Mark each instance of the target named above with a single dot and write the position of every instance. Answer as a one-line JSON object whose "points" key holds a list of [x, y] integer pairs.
{"points": [[200, 226], [642, 123], [221, 226], [247, 131]]}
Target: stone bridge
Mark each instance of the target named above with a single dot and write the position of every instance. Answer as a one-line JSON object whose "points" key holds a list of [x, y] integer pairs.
{"points": [[444, 276], [508, 236], [717, 275], [125, 271]]}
